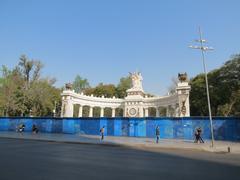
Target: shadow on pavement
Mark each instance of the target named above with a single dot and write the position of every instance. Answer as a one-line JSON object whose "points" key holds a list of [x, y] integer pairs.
{"points": [[26, 159]]}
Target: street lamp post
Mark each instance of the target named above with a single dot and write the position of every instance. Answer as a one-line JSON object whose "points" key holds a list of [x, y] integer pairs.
{"points": [[203, 50], [54, 110]]}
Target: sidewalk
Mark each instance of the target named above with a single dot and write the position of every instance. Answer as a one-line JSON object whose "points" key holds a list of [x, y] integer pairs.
{"points": [[220, 146], [134, 142]]}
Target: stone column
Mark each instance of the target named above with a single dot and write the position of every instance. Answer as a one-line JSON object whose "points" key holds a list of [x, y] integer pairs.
{"points": [[167, 111], [146, 112], [141, 113], [113, 112], [68, 109], [102, 112], [80, 111], [176, 110], [157, 112], [90, 111], [63, 109]]}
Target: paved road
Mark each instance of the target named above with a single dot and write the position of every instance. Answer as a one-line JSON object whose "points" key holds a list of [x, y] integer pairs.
{"points": [[35, 160]]}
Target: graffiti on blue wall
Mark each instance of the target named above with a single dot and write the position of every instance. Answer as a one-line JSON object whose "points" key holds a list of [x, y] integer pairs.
{"points": [[178, 128]]}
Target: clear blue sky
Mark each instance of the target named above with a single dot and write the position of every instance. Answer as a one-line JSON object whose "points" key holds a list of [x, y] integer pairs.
{"points": [[103, 40]]}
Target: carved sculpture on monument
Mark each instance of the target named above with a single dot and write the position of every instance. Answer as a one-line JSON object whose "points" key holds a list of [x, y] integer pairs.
{"points": [[182, 77], [136, 80], [183, 109], [68, 86]]}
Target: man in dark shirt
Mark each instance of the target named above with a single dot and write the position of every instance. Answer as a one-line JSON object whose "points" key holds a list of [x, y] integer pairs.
{"points": [[102, 132], [157, 133], [199, 130]]}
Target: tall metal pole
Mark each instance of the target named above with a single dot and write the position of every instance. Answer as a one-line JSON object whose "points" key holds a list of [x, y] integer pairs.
{"points": [[54, 110], [203, 49], [207, 89]]}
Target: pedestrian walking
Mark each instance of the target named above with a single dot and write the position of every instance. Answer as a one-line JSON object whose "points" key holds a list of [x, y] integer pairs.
{"points": [[21, 128], [102, 133], [198, 137], [34, 129], [157, 134], [199, 133]]}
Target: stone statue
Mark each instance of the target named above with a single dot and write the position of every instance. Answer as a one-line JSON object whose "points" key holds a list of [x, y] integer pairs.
{"points": [[182, 77], [68, 86], [136, 80]]}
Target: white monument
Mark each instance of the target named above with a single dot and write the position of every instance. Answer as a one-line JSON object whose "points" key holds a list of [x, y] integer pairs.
{"points": [[135, 104]]}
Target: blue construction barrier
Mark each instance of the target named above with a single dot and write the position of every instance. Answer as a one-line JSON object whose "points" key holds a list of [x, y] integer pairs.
{"points": [[225, 128]]}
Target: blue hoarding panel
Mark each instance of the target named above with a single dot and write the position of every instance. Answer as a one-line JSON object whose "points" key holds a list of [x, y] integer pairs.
{"points": [[68, 126], [90, 126], [140, 128], [103, 123], [225, 128], [132, 127], [117, 127], [4, 124], [125, 127]]}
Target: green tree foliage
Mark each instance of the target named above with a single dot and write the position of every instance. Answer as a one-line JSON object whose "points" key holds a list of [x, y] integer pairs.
{"points": [[80, 84], [24, 93], [106, 90], [123, 86], [224, 87], [110, 90], [11, 91]]}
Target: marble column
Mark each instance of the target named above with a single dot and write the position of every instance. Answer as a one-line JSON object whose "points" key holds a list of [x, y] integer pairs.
{"points": [[113, 112], [63, 109], [80, 111], [146, 112], [69, 109], [167, 111], [157, 112], [102, 112], [90, 111]]}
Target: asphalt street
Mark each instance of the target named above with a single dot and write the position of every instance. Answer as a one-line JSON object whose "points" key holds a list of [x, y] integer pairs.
{"points": [[29, 159]]}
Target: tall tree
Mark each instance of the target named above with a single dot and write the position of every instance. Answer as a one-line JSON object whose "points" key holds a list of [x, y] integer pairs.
{"points": [[123, 85], [26, 67], [80, 84], [106, 90], [23, 92], [224, 86]]}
